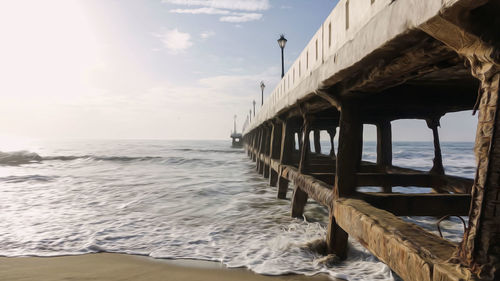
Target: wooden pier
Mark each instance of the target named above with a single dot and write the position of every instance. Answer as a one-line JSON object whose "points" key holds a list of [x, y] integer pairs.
{"points": [[373, 62]]}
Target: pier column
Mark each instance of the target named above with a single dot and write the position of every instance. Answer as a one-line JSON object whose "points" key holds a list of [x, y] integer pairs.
{"points": [[349, 151], [267, 148], [437, 167], [317, 141], [299, 199], [255, 138], [260, 151], [384, 149], [275, 151], [332, 133], [287, 146], [348, 161], [480, 248]]}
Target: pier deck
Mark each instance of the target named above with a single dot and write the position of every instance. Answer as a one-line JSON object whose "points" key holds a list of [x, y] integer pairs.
{"points": [[373, 62]]}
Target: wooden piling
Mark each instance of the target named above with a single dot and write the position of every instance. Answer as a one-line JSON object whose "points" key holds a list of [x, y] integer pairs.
{"points": [[299, 199], [287, 142], [437, 167], [317, 141], [384, 149]]}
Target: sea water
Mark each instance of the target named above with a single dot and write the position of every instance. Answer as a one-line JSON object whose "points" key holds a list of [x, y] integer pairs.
{"points": [[180, 200]]}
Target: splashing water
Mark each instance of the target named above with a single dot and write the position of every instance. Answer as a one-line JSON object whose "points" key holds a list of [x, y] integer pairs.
{"points": [[184, 200]]}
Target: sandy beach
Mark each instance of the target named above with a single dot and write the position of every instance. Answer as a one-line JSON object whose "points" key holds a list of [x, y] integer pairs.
{"points": [[106, 266]]}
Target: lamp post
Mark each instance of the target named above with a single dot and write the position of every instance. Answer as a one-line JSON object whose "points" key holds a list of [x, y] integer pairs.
{"points": [[262, 86], [253, 108], [282, 43], [250, 115]]}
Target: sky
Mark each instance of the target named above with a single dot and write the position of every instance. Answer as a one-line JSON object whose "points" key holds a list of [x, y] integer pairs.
{"points": [[155, 69]]}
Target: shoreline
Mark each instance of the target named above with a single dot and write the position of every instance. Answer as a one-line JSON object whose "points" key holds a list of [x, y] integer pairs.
{"points": [[111, 266]]}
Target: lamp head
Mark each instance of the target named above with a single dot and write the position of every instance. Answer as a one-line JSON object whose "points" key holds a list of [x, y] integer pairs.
{"points": [[282, 41]]}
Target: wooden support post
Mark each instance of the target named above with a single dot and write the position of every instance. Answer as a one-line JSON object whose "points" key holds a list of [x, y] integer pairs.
{"points": [[332, 133], [275, 152], [317, 141], [480, 248], [254, 145], [336, 238], [305, 149], [263, 151], [437, 167], [384, 149], [287, 143], [300, 197], [259, 150], [267, 145], [349, 152], [348, 162]]}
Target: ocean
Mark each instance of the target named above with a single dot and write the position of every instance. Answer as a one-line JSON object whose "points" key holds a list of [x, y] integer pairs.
{"points": [[198, 200]]}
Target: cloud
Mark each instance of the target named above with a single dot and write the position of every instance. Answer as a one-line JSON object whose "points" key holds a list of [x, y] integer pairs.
{"points": [[199, 11], [232, 10], [207, 34], [175, 41], [242, 5], [241, 17]]}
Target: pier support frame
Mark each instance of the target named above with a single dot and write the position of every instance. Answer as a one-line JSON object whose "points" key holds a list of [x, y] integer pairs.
{"points": [[275, 151], [287, 143], [384, 149], [437, 167], [480, 249], [348, 161], [299, 199]]}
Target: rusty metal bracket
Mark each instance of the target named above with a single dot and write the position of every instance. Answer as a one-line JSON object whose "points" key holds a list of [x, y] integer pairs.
{"points": [[445, 217]]}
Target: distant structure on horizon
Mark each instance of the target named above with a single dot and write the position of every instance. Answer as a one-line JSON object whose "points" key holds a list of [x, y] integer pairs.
{"points": [[237, 137]]}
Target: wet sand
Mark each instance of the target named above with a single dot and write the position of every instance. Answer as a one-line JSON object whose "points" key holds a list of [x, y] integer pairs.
{"points": [[110, 267]]}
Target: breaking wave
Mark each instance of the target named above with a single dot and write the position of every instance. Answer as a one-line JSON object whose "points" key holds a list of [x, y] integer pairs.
{"points": [[17, 158]]}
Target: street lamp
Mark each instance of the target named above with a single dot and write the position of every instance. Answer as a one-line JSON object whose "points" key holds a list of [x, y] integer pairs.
{"points": [[250, 115], [282, 43], [262, 86], [253, 108]]}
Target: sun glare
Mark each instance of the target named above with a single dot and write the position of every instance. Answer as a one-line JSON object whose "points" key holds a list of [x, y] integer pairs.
{"points": [[47, 48]]}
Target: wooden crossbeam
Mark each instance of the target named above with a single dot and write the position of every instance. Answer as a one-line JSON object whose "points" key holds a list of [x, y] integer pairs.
{"points": [[409, 250], [417, 179], [420, 204]]}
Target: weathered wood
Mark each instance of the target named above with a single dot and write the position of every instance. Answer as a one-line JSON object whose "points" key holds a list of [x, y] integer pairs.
{"points": [[384, 148], [420, 204], [415, 179], [260, 168], [328, 178], [287, 143], [481, 245], [299, 199], [282, 187], [317, 141], [332, 133], [273, 177], [437, 167], [305, 149], [408, 249], [349, 152], [316, 189]]}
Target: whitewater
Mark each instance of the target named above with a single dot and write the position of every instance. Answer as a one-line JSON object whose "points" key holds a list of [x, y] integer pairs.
{"points": [[198, 200]]}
